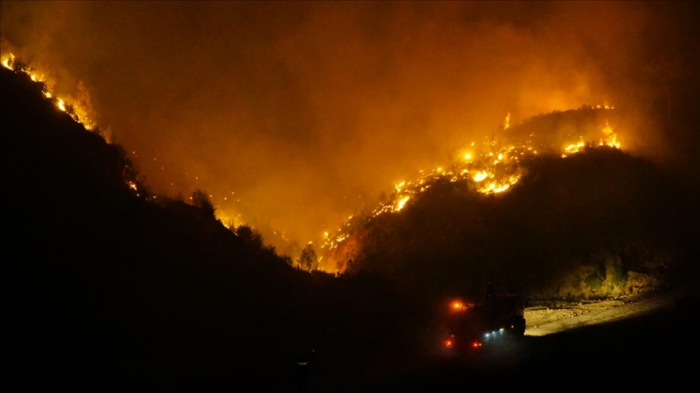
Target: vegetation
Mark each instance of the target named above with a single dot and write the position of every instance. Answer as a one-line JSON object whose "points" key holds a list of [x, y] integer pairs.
{"points": [[308, 259], [202, 200]]}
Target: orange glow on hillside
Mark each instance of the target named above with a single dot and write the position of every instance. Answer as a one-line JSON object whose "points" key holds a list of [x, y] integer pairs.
{"points": [[80, 113], [73, 108], [491, 168]]}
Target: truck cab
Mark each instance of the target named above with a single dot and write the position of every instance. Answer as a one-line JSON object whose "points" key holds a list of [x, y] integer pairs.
{"points": [[494, 319]]}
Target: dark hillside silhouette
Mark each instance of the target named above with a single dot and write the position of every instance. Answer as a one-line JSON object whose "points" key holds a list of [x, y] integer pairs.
{"points": [[107, 285], [599, 223], [117, 289]]}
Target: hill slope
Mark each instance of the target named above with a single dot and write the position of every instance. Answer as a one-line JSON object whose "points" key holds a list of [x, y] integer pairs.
{"points": [[106, 285], [598, 223]]}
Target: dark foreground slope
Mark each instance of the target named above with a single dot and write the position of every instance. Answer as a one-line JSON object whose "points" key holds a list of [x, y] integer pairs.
{"points": [[108, 289], [103, 283]]}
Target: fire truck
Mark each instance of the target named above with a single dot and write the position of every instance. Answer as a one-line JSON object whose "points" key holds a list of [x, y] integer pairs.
{"points": [[471, 326]]}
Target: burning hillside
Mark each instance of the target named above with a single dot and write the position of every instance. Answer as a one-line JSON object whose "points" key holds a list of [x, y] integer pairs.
{"points": [[495, 164], [392, 237], [492, 165], [80, 108], [99, 275], [554, 219], [294, 116], [549, 148]]}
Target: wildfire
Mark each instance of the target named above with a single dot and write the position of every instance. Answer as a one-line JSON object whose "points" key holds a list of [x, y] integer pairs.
{"points": [[492, 168], [493, 171], [479, 176], [77, 112], [401, 203], [573, 148], [8, 61], [610, 138]]}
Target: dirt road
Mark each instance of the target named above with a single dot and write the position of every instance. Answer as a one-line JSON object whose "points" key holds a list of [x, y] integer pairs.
{"points": [[554, 317]]}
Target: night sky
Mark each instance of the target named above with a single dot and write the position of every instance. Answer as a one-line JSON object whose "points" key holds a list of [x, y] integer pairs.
{"points": [[301, 114]]}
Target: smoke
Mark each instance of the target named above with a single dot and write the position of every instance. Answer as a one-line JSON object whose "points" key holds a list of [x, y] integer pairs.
{"points": [[294, 116]]}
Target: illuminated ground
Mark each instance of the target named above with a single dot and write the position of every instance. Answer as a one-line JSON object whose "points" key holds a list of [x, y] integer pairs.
{"points": [[543, 320]]}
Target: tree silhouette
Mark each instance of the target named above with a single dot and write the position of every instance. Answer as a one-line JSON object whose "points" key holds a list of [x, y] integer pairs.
{"points": [[250, 235], [308, 259], [201, 200]]}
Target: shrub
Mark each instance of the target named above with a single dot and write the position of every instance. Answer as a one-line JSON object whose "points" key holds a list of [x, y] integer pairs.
{"points": [[201, 200]]}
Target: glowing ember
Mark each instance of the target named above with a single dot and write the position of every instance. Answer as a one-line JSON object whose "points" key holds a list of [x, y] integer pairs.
{"points": [[480, 176], [402, 203]]}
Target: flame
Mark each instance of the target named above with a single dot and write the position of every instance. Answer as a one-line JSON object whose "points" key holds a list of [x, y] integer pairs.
{"points": [[506, 122], [8, 62], [610, 138], [401, 203], [398, 186], [479, 176], [574, 148]]}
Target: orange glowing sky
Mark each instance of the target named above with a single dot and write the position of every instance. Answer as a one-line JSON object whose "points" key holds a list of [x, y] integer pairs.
{"points": [[294, 116]]}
